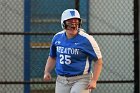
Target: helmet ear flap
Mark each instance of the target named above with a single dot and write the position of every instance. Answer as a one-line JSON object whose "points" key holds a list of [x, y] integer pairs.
{"points": [[80, 23], [64, 25]]}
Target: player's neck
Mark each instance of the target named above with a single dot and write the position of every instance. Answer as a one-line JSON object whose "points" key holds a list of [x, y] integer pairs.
{"points": [[69, 36], [71, 33]]}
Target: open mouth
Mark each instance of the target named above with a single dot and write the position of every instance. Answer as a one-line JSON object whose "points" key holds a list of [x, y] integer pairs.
{"points": [[72, 28]]}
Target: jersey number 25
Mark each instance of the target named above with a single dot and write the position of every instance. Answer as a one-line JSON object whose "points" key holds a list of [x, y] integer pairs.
{"points": [[65, 59]]}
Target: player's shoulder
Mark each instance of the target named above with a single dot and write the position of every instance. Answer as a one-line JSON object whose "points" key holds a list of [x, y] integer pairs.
{"points": [[83, 33], [58, 34]]}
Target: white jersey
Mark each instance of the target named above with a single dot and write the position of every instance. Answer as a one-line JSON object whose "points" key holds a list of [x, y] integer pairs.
{"points": [[74, 55]]}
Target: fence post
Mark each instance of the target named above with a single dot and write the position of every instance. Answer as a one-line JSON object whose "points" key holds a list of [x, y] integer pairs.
{"points": [[136, 46], [77, 4]]}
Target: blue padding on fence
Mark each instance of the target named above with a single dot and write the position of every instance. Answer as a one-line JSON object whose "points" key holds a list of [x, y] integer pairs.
{"points": [[26, 45]]}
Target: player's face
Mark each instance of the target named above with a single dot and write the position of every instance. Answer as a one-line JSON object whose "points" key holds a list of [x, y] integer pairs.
{"points": [[72, 26]]}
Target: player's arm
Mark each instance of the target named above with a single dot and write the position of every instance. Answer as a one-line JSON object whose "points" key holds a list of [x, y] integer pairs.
{"points": [[96, 73], [49, 67], [97, 69]]}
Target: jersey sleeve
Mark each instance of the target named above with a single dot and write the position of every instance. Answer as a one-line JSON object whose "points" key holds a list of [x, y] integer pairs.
{"points": [[53, 48], [93, 49]]}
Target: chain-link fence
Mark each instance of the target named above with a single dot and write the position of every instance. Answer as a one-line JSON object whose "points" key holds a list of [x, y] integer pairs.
{"points": [[27, 28]]}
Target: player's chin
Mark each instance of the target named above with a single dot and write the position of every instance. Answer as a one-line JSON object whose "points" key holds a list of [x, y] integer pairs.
{"points": [[73, 31]]}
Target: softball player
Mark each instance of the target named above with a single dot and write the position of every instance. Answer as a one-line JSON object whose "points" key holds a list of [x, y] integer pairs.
{"points": [[71, 53]]}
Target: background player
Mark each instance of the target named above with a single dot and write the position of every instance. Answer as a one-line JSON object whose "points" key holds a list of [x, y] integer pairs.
{"points": [[71, 53]]}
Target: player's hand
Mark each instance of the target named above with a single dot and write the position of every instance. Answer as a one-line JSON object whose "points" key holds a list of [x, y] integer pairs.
{"points": [[92, 85], [47, 77]]}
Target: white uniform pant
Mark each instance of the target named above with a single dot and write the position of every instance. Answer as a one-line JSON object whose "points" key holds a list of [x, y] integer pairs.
{"points": [[75, 84]]}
